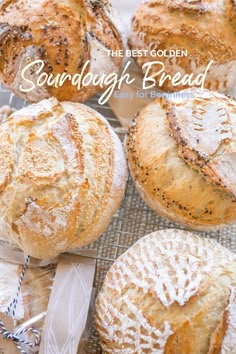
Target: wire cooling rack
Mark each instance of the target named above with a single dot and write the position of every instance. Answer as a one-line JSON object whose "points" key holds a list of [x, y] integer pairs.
{"points": [[132, 221]]}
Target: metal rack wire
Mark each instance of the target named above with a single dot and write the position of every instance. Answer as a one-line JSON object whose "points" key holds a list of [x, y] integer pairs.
{"points": [[132, 221]]}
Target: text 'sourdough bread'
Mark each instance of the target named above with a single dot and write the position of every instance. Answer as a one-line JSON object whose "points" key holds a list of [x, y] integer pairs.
{"points": [[64, 34], [172, 292], [206, 29], [182, 156], [62, 177]]}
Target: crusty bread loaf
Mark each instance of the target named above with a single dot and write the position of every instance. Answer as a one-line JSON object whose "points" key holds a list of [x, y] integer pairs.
{"points": [[65, 35], [203, 28], [62, 177], [182, 156], [171, 293]]}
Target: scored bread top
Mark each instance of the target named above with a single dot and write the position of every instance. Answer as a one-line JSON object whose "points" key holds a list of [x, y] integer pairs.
{"points": [[204, 128], [172, 292], [63, 175], [183, 168]]}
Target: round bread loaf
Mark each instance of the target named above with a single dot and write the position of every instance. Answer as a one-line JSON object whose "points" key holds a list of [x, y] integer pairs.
{"points": [[64, 35], [172, 292], [182, 156], [203, 29], [62, 177]]}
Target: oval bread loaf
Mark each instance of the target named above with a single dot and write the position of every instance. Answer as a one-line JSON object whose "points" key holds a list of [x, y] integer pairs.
{"points": [[172, 292], [62, 177], [204, 29], [64, 34], [182, 156]]}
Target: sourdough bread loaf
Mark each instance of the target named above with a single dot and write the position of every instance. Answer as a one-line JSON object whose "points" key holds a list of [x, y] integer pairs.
{"points": [[205, 29], [172, 292], [182, 156], [62, 177], [65, 35]]}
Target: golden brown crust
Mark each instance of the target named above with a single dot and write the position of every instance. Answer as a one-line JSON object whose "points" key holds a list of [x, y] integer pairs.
{"points": [[218, 336], [167, 169], [203, 128], [65, 179], [65, 35], [205, 28], [169, 293]]}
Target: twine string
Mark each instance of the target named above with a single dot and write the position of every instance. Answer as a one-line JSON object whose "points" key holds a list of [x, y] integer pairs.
{"points": [[18, 336], [11, 309], [17, 339]]}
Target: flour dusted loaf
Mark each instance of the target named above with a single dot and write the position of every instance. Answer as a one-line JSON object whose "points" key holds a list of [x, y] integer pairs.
{"points": [[62, 177], [171, 293], [182, 156], [206, 29], [64, 34]]}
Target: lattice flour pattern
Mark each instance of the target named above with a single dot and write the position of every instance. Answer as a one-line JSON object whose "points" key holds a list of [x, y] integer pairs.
{"points": [[163, 284], [136, 331]]}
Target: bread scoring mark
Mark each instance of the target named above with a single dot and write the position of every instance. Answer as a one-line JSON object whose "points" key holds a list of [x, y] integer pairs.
{"points": [[201, 6], [66, 133], [43, 223], [188, 6], [105, 26], [201, 126], [11, 35], [100, 62], [27, 55], [99, 169], [117, 27], [9, 51], [4, 4], [7, 160], [228, 345], [39, 164], [203, 130]]}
